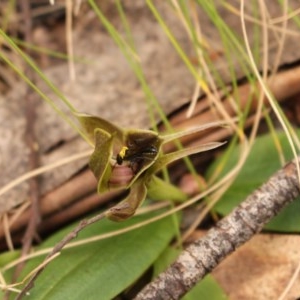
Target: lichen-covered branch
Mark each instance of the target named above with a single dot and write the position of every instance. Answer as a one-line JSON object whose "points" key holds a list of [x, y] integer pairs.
{"points": [[228, 234]]}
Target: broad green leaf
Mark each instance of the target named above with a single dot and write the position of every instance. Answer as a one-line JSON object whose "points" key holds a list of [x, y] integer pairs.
{"points": [[103, 269], [7, 257], [262, 162], [207, 288], [159, 189]]}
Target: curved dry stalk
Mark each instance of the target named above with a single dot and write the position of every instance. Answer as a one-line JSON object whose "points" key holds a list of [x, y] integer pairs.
{"points": [[263, 85], [290, 283], [64, 196], [43, 169], [69, 39], [273, 22], [231, 232]]}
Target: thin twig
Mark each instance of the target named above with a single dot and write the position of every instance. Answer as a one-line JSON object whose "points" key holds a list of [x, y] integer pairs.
{"points": [[231, 232], [35, 218], [57, 248]]}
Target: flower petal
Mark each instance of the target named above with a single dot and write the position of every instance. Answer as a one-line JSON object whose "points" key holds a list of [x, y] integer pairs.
{"points": [[126, 208], [168, 158], [100, 159], [90, 123]]}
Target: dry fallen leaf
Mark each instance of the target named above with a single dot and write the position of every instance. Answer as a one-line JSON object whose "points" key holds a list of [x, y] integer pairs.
{"points": [[261, 269]]}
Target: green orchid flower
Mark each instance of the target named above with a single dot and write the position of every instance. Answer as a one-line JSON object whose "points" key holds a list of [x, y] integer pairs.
{"points": [[130, 158]]}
